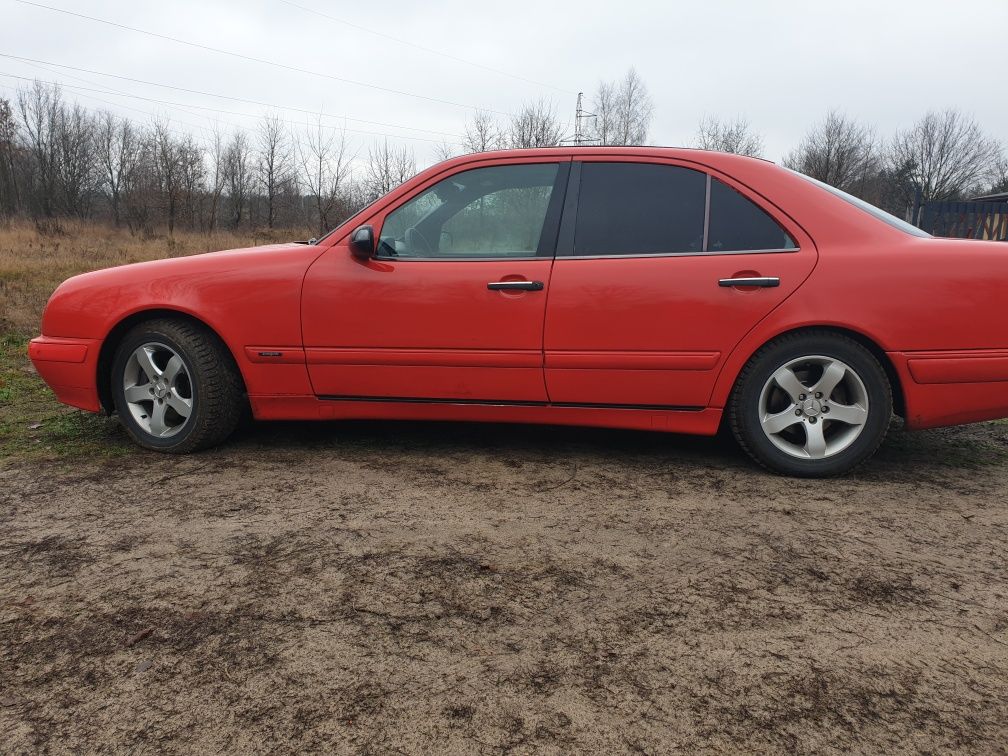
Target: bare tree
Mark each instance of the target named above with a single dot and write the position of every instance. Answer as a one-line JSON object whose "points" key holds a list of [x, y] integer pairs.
{"points": [[1000, 182], [141, 186], [444, 151], [168, 170], [482, 133], [193, 178], [9, 194], [238, 175], [735, 136], [948, 155], [623, 111], [76, 163], [325, 166], [118, 146], [840, 152], [604, 111], [388, 167], [216, 175], [275, 164], [39, 106], [534, 125]]}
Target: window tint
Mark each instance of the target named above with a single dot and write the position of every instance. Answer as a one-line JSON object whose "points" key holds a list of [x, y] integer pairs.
{"points": [[485, 212], [736, 224], [639, 209]]}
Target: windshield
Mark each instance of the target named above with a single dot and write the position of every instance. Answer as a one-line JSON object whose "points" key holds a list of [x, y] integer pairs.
{"points": [[875, 212]]}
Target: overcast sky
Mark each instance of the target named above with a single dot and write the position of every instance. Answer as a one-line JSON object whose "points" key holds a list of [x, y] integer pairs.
{"points": [[780, 63]]}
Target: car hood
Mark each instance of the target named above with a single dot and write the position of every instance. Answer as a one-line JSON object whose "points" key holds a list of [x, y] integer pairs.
{"points": [[203, 262]]}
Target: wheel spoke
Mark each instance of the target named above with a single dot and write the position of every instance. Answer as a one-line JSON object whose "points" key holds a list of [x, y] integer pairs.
{"points": [[815, 441], [852, 414], [145, 359], [158, 425], [779, 421], [179, 403], [832, 375], [136, 394], [172, 369], [788, 381]]}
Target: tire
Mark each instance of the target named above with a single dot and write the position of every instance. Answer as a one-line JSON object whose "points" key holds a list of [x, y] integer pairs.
{"points": [[789, 427], [175, 386]]}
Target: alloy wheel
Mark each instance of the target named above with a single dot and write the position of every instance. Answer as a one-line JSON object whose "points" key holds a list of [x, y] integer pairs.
{"points": [[813, 407], [158, 389]]}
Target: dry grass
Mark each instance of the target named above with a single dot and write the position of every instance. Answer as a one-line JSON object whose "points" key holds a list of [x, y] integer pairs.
{"points": [[35, 261]]}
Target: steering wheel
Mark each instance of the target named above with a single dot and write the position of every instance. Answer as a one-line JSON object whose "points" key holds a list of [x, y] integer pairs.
{"points": [[417, 243]]}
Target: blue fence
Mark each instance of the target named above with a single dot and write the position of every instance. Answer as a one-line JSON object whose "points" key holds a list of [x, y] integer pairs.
{"points": [[963, 220]]}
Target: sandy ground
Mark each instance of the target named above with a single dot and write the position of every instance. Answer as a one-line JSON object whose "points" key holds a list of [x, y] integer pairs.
{"points": [[382, 587]]}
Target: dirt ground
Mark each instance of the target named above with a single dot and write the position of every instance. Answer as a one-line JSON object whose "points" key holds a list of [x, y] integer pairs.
{"points": [[382, 587]]}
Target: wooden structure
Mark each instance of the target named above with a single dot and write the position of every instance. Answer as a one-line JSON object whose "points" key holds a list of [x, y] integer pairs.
{"points": [[981, 218]]}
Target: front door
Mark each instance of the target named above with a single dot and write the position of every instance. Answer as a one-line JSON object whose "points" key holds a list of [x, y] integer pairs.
{"points": [[642, 308], [451, 307]]}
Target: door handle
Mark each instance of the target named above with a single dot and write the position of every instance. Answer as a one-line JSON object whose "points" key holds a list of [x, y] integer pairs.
{"points": [[764, 281], [515, 286]]}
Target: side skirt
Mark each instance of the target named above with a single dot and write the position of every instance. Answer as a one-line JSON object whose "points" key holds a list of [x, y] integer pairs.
{"points": [[693, 420]]}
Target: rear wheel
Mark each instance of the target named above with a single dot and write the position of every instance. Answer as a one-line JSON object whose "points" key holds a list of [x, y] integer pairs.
{"points": [[175, 387], [812, 404]]}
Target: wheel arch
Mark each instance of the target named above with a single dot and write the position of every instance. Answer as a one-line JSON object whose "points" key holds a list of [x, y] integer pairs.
{"points": [[115, 336], [899, 399]]}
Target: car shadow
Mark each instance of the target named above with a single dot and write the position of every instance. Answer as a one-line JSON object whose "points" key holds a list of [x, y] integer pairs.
{"points": [[393, 435], [903, 454]]}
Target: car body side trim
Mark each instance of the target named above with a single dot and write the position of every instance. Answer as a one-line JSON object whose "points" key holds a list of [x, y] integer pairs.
{"points": [[606, 360], [967, 366], [480, 358], [683, 254], [446, 258], [503, 403]]}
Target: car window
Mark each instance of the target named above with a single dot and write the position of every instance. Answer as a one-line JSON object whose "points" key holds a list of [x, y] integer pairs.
{"points": [[737, 224], [876, 212], [639, 209], [491, 212]]}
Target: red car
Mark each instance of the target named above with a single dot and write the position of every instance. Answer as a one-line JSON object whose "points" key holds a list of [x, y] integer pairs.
{"points": [[649, 288]]}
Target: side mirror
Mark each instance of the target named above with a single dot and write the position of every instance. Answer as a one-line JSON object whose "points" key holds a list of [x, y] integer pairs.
{"points": [[362, 243]]}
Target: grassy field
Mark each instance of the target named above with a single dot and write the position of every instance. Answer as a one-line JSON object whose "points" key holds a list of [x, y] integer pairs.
{"points": [[33, 262]]}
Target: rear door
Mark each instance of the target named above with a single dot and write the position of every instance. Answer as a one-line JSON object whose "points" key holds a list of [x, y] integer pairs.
{"points": [[642, 308], [452, 305]]}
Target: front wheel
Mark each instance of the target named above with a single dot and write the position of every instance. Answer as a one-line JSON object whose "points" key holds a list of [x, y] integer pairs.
{"points": [[812, 404], [176, 388]]}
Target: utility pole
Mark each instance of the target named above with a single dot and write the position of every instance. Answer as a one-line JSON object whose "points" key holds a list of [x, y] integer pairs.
{"points": [[580, 137]]}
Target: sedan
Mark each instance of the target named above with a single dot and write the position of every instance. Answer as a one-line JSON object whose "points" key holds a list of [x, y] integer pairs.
{"points": [[650, 288]]}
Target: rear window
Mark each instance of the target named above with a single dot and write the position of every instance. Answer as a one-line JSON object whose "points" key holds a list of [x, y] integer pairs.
{"points": [[738, 225], [875, 212], [639, 209]]}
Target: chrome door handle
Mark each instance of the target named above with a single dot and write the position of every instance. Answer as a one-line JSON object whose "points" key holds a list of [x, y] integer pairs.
{"points": [[764, 281], [515, 286]]}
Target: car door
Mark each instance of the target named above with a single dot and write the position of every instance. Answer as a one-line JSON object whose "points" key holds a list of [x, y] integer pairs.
{"points": [[643, 309], [451, 306]]}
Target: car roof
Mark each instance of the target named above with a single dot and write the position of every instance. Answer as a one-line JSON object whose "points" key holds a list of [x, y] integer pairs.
{"points": [[811, 207], [589, 149]]}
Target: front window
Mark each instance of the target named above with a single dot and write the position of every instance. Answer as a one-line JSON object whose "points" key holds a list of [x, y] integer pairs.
{"points": [[495, 212]]}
